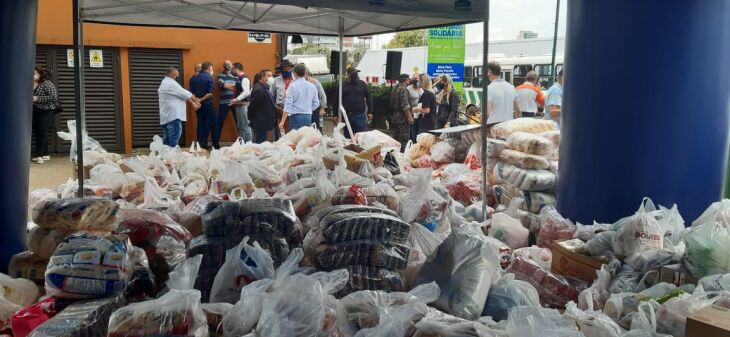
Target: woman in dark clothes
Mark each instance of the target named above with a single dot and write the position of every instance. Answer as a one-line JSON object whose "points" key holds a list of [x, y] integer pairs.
{"points": [[261, 110], [427, 107], [45, 102]]}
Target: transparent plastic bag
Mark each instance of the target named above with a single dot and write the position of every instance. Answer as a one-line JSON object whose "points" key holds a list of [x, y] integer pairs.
{"points": [[19, 291], [233, 176], [509, 230], [76, 214], [473, 158], [708, 249], [369, 139], [553, 227], [39, 196], [465, 187], [528, 321], [601, 244], [509, 293], [672, 315], [554, 290], [593, 323], [638, 233], [89, 144], [524, 160], [720, 282], [156, 198], [244, 315], [244, 264], [595, 297], [43, 241], [381, 192], [423, 244], [588, 232], [108, 175], [443, 152], [530, 125], [421, 203], [464, 266], [296, 308], [526, 180], [717, 212], [541, 256], [178, 312], [529, 143]]}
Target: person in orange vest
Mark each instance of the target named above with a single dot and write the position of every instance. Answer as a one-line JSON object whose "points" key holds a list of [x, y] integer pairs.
{"points": [[529, 95]]}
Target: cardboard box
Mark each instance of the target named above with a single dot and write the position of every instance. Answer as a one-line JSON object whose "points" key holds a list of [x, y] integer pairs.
{"points": [[711, 321], [676, 274], [568, 263]]}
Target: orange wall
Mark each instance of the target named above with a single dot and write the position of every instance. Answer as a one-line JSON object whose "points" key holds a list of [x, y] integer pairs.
{"points": [[55, 27]]}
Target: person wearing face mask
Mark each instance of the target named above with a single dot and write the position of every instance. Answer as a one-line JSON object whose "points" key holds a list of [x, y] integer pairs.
{"points": [[278, 89], [448, 102], [173, 100], [301, 100], [357, 102], [401, 118], [426, 105], [261, 109], [414, 93], [241, 102], [202, 86], [226, 89], [45, 102]]}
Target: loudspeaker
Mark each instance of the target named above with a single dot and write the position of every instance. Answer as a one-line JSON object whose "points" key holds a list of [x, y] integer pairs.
{"points": [[335, 61], [392, 65]]}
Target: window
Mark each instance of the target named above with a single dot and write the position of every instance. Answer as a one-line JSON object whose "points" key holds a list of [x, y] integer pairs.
{"points": [[507, 76], [468, 75], [519, 72]]}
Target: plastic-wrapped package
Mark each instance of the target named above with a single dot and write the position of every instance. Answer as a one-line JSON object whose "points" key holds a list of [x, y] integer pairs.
{"points": [[295, 309], [509, 230], [528, 321], [88, 266], [708, 248], [601, 244], [364, 252], [18, 291], [41, 195], [177, 313], [133, 188], [553, 227], [474, 212], [505, 193], [320, 193], [508, 293], [43, 241], [372, 278], [626, 280], [108, 175], [421, 203], [536, 201], [345, 227], [244, 264], [80, 319], [370, 139], [443, 152], [593, 323], [653, 260], [717, 212], [439, 324], [473, 158], [426, 140], [296, 173], [639, 233], [672, 315], [541, 256], [233, 176], [524, 160], [315, 217], [29, 266], [263, 218], [465, 187], [530, 125], [25, 320], [463, 266], [595, 297], [382, 193], [76, 214], [588, 232], [526, 180], [554, 290], [720, 282], [495, 147], [263, 176], [244, 315], [423, 243]]}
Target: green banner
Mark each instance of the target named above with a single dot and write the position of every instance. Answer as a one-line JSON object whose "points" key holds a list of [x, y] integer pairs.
{"points": [[446, 50]]}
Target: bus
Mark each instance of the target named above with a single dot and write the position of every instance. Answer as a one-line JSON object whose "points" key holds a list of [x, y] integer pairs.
{"points": [[514, 70]]}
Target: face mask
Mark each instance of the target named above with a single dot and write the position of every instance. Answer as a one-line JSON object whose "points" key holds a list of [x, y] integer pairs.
{"points": [[286, 74], [418, 85], [270, 80], [227, 66], [36, 77]]}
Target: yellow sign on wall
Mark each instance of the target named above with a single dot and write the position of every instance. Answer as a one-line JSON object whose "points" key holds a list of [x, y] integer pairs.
{"points": [[96, 58]]}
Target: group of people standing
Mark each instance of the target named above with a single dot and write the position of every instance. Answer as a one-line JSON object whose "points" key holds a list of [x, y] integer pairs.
{"points": [[419, 106], [260, 107]]}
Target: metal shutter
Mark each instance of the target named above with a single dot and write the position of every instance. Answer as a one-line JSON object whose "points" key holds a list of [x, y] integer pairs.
{"points": [[41, 60], [146, 70], [103, 98]]}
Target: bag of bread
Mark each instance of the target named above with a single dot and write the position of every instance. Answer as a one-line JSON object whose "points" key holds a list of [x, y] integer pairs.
{"points": [[529, 125], [530, 143]]}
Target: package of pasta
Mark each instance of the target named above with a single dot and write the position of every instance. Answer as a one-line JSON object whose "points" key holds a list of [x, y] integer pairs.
{"points": [[28, 265], [178, 313], [530, 125], [495, 147], [526, 180], [530, 143], [343, 227], [43, 241], [76, 214], [365, 252], [524, 160], [251, 217], [88, 266], [381, 193], [505, 193]]}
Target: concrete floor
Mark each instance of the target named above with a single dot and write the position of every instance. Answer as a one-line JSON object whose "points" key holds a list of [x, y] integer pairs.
{"points": [[51, 173]]}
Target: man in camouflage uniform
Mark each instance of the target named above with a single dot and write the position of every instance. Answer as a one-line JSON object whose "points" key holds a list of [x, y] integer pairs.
{"points": [[401, 108]]}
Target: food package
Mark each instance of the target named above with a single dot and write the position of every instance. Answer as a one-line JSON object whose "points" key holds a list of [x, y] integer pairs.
{"points": [[524, 160], [190, 216], [29, 266], [505, 193], [526, 180], [423, 244], [535, 201], [465, 187], [38, 196], [530, 321], [554, 137], [672, 315], [509, 293], [427, 140], [234, 176], [381, 193], [443, 152], [43, 241], [296, 173], [372, 278], [530, 125], [463, 266], [541, 256], [176, 313], [588, 232], [214, 313], [88, 266], [554, 290], [601, 244], [509, 230], [244, 264], [553, 227], [708, 249], [213, 252], [260, 218], [369, 139], [593, 323], [76, 214], [17, 293], [133, 188], [314, 219], [717, 212], [108, 175], [25, 320], [365, 252], [80, 319], [473, 158], [495, 147], [163, 240], [421, 203], [529, 143], [195, 185], [639, 233], [345, 227], [308, 198], [295, 308]]}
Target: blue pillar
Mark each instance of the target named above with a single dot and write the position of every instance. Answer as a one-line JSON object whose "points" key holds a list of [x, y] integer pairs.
{"points": [[17, 41], [645, 107]]}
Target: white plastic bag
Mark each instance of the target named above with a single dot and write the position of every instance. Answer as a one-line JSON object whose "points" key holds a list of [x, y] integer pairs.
{"points": [[244, 264], [443, 152], [541, 256], [233, 176], [295, 309], [540, 322], [672, 315], [20, 291], [717, 212], [708, 248], [509, 230], [509, 293], [638, 233]]}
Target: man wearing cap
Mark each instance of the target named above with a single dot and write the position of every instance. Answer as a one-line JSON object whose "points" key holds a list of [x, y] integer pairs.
{"points": [[357, 102], [401, 108], [278, 91]]}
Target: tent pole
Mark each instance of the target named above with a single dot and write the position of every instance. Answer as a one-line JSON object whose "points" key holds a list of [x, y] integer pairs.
{"points": [[485, 80], [555, 43], [341, 109], [79, 93]]}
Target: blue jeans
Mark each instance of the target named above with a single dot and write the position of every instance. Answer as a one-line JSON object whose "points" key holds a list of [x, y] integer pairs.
{"points": [[261, 135], [299, 120], [244, 129], [207, 123], [358, 122], [171, 133]]}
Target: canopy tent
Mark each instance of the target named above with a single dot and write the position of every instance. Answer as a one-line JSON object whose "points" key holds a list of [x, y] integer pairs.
{"points": [[317, 17]]}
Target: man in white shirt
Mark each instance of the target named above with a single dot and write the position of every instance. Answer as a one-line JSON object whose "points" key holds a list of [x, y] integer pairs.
{"points": [[173, 106], [301, 100], [502, 104], [241, 101]]}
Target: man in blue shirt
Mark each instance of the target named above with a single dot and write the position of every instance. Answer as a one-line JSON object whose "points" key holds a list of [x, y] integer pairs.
{"points": [[202, 86], [554, 101], [301, 99]]}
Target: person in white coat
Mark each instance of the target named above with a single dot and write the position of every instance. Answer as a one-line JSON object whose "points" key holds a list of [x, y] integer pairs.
{"points": [[173, 100], [241, 102]]}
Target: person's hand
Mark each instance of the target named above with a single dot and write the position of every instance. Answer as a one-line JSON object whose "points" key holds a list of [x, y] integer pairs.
{"points": [[410, 119], [234, 101], [322, 112], [35, 98], [281, 125]]}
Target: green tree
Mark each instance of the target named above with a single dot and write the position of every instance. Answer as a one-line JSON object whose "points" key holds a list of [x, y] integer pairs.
{"points": [[410, 38]]}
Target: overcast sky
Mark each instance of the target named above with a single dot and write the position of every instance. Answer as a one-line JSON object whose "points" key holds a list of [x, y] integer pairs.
{"points": [[508, 17]]}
